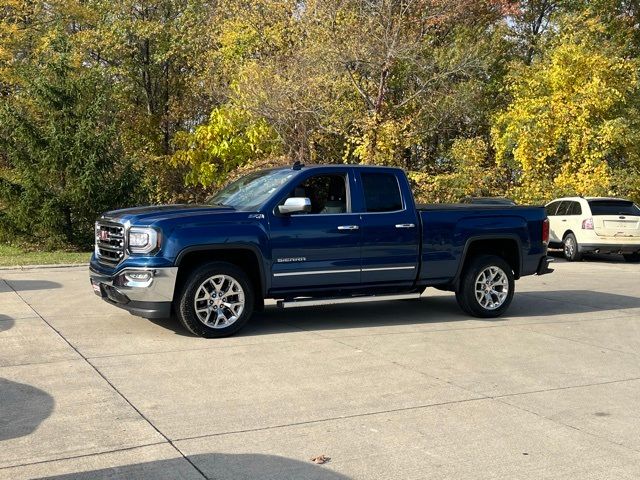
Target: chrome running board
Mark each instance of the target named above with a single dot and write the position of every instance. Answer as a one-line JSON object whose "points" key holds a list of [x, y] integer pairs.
{"points": [[312, 302]]}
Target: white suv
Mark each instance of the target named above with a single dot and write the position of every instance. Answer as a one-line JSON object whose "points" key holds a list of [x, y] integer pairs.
{"points": [[594, 225]]}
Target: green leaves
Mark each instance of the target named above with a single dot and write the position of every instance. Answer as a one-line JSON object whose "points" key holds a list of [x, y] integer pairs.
{"points": [[64, 163]]}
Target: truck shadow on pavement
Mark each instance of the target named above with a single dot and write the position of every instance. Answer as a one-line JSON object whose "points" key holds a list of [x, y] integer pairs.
{"points": [[437, 309], [215, 465], [22, 409], [26, 285], [6, 323]]}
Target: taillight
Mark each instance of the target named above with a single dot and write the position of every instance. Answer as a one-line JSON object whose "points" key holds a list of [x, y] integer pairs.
{"points": [[545, 231], [587, 224]]}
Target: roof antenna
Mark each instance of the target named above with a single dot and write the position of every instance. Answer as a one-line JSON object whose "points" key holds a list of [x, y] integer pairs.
{"points": [[297, 165]]}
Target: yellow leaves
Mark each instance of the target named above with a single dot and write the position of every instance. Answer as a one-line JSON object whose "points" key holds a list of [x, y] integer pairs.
{"points": [[584, 179], [381, 142], [568, 119], [231, 138], [473, 175]]}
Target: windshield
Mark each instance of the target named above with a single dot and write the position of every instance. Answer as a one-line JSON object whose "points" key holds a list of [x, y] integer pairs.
{"points": [[251, 191], [613, 207]]}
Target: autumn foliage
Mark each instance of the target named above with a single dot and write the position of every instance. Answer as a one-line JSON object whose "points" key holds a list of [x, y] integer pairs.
{"points": [[527, 99]]}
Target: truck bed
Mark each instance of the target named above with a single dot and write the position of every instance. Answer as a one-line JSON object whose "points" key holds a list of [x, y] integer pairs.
{"points": [[470, 206], [448, 229]]}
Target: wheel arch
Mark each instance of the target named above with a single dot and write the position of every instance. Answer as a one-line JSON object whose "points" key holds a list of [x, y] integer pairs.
{"points": [[248, 257], [508, 247]]}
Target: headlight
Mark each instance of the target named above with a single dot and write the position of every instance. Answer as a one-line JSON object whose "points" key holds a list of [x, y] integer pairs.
{"points": [[143, 240]]}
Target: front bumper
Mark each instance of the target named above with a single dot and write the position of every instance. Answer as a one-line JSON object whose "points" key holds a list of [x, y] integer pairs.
{"points": [[543, 266], [145, 292]]}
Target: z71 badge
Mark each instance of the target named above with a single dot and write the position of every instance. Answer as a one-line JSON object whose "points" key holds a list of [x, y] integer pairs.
{"points": [[291, 259]]}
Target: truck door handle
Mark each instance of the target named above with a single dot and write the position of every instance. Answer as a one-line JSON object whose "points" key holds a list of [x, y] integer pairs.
{"points": [[405, 225], [348, 227]]}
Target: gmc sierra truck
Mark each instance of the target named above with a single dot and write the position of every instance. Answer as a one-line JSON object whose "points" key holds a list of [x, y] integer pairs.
{"points": [[311, 235]]}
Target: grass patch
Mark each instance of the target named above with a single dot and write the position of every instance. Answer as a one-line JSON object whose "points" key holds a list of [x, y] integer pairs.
{"points": [[11, 256]]}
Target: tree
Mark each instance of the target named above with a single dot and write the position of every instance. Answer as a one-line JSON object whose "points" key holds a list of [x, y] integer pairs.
{"points": [[232, 138], [63, 163], [473, 173], [376, 81], [572, 127]]}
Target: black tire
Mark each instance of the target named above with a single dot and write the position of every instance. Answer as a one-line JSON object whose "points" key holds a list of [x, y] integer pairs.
{"points": [[632, 257], [186, 311], [570, 248], [466, 293]]}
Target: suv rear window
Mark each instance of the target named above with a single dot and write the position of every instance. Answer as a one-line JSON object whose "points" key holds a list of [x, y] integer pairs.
{"points": [[381, 192], [613, 207]]}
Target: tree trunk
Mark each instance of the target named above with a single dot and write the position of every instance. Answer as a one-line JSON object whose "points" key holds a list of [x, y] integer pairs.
{"points": [[377, 114], [68, 225]]}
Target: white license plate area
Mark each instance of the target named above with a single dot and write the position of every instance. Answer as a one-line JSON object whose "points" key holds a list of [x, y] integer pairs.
{"points": [[620, 225]]}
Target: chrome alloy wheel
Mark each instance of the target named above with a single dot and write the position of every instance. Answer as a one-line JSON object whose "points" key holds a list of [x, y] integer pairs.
{"points": [[569, 247], [219, 301], [492, 288]]}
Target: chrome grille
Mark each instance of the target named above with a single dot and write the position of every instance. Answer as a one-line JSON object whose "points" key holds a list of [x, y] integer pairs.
{"points": [[110, 241]]}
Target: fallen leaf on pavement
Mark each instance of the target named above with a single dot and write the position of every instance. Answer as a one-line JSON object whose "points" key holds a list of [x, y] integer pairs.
{"points": [[320, 459]]}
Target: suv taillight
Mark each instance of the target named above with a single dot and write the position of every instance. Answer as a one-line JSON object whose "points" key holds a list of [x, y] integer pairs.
{"points": [[545, 231], [587, 224]]}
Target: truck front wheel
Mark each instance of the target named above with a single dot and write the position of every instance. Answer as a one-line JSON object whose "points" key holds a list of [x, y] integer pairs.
{"points": [[486, 287], [216, 301]]}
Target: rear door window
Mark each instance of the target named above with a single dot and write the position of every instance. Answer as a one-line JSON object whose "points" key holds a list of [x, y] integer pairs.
{"points": [[381, 192], [551, 208], [563, 209], [575, 209], [613, 207]]}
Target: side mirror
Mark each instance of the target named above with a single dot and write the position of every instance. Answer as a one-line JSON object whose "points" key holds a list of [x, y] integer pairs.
{"points": [[295, 205]]}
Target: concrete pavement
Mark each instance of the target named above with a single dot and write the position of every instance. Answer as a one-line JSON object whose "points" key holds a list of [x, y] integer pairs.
{"points": [[408, 389]]}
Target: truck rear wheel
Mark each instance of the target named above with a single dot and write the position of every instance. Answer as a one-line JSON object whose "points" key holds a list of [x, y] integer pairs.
{"points": [[486, 287], [216, 301]]}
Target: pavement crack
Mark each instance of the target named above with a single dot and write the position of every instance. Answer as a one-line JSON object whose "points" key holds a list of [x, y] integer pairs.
{"points": [[579, 342], [115, 389], [330, 419], [567, 425], [569, 387], [84, 455]]}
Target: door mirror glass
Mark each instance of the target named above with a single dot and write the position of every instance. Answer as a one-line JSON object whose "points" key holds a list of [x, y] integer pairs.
{"points": [[295, 205]]}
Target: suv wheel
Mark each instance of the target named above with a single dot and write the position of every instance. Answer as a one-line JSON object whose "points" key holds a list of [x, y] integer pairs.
{"points": [[486, 287], [216, 301], [570, 248]]}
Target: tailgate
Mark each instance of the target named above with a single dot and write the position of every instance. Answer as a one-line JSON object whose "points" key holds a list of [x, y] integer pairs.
{"points": [[616, 226]]}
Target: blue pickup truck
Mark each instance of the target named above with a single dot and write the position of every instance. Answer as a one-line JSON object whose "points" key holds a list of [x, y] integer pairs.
{"points": [[311, 235]]}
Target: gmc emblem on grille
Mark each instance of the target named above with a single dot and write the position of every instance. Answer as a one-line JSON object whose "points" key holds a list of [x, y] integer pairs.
{"points": [[104, 235]]}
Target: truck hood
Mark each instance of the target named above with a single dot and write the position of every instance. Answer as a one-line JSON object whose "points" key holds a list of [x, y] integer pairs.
{"points": [[155, 213]]}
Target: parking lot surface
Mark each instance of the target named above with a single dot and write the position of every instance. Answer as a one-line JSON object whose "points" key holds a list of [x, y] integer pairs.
{"points": [[406, 389]]}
